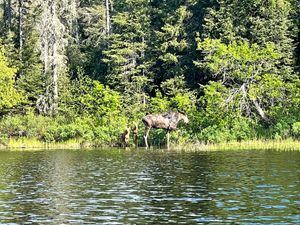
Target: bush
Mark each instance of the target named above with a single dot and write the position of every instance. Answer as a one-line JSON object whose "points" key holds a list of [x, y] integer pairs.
{"points": [[296, 129], [103, 130], [60, 133], [27, 125]]}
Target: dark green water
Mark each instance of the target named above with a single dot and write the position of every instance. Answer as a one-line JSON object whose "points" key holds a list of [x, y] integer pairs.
{"points": [[149, 187]]}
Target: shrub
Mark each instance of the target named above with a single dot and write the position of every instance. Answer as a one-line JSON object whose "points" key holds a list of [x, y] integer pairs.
{"points": [[296, 129]]}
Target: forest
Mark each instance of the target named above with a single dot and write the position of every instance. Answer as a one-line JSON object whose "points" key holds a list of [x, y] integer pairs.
{"points": [[84, 70]]}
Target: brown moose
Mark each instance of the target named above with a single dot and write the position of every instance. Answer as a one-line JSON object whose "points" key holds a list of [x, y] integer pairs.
{"points": [[124, 137], [167, 121]]}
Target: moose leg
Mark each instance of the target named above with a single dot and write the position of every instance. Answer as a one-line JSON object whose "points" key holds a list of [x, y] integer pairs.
{"points": [[168, 140], [147, 129], [135, 140]]}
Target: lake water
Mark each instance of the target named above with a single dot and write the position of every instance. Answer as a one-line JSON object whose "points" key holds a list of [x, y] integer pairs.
{"points": [[149, 187]]}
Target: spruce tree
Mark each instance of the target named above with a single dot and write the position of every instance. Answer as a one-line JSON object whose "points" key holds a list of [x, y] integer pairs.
{"points": [[127, 54], [93, 39], [259, 22]]}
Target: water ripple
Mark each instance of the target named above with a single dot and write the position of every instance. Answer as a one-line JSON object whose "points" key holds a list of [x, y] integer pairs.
{"points": [[148, 187]]}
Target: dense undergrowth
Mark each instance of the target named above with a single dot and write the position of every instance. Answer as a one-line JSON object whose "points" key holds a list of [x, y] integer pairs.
{"points": [[94, 132]]}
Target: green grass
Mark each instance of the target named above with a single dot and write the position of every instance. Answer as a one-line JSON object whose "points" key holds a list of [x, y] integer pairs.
{"points": [[289, 144], [25, 143]]}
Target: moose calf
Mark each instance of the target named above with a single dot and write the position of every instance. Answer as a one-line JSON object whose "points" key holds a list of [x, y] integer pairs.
{"points": [[124, 138]]}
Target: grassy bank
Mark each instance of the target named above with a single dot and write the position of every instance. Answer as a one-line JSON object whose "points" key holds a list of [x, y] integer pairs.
{"points": [[289, 144], [25, 144]]}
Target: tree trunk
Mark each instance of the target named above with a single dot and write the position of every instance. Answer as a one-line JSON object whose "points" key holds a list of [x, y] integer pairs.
{"points": [[21, 24], [108, 22], [168, 139], [7, 14], [143, 69], [261, 112], [54, 66], [55, 80], [21, 35]]}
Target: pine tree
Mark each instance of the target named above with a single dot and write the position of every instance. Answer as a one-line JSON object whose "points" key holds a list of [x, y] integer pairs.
{"points": [[174, 44], [296, 22], [259, 22], [93, 39], [127, 53], [30, 72]]}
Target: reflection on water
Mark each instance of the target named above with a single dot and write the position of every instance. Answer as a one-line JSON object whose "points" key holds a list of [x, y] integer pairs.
{"points": [[149, 187]]}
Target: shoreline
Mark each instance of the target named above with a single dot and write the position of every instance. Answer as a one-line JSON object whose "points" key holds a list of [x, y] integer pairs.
{"points": [[33, 144], [280, 145]]}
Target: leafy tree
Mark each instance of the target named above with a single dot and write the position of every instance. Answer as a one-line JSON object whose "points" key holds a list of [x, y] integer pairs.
{"points": [[249, 76], [9, 95], [100, 100]]}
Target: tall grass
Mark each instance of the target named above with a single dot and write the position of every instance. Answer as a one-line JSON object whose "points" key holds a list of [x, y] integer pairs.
{"points": [[282, 145], [288, 144], [32, 143]]}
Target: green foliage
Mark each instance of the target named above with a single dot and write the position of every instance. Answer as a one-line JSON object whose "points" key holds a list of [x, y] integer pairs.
{"points": [[127, 46], [171, 43], [174, 86], [29, 126], [159, 104], [235, 129], [296, 129], [183, 102], [9, 95], [249, 76], [180, 97], [87, 55], [230, 65], [82, 129], [100, 100], [9, 50], [31, 78]]}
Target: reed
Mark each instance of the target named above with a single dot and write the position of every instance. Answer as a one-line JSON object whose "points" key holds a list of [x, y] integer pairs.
{"points": [[32, 144], [283, 145]]}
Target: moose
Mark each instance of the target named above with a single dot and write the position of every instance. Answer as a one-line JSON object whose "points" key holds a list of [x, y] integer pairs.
{"points": [[125, 136], [167, 121]]}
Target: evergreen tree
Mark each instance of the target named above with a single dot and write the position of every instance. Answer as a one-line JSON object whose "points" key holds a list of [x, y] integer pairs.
{"points": [[296, 22], [170, 44], [93, 39], [30, 78], [127, 53], [57, 24], [259, 22]]}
